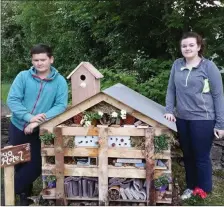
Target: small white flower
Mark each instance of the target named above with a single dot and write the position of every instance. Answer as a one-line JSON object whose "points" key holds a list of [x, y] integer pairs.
{"points": [[123, 112], [82, 122], [123, 116], [87, 123], [114, 114], [100, 113]]}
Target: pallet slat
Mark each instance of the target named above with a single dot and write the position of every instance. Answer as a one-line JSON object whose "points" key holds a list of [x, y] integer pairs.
{"points": [[112, 152], [71, 170], [93, 152]]}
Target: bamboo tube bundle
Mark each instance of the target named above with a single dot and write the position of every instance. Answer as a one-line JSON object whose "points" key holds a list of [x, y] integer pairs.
{"points": [[114, 193]]}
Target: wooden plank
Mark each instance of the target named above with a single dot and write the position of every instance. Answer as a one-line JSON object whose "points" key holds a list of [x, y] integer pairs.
{"points": [[165, 155], [169, 200], [9, 186], [125, 152], [121, 152], [130, 201], [43, 163], [94, 131], [46, 129], [150, 164], [71, 170], [15, 154], [103, 167], [73, 111], [59, 167], [126, 172], [73, 152]]}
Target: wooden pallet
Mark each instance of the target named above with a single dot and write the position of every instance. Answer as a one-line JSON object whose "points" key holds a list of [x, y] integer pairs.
{"points": [[102, 171]]}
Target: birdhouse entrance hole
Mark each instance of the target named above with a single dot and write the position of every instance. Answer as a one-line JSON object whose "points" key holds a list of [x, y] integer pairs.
{"points": [[83, 77]]}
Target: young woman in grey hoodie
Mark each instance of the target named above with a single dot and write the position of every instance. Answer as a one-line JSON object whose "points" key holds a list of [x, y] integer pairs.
{"points": [[195, 102]]}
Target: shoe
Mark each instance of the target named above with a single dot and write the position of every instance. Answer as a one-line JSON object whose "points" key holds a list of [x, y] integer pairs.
{"points": [[198, 191], [186, 194]]}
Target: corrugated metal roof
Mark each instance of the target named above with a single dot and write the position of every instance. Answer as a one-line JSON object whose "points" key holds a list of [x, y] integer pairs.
{"points": [[139, 103], [89, 67]]}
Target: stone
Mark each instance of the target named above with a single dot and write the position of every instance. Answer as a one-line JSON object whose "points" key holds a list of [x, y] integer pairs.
{"points": [[219, 142], [216, 165], [216, 152]]}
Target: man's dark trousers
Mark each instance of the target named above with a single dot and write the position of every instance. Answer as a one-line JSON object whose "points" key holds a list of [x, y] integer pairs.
{"points": [[26, 173], [196, 137]]}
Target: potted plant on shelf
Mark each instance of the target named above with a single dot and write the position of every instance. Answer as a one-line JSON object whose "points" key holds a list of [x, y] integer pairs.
{"points": [[162, 182], [90, 118], [50, 181], [116, 117], [47, 138]]}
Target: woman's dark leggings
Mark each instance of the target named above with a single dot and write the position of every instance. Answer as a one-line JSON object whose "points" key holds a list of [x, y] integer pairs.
{"points": [[26, 173], [196, 137]]}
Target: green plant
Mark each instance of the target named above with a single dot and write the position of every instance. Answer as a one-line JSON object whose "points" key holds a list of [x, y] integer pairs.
{"points": [[49, 178], [161, 181], [89, 117], [47, 138], [161, 143]]}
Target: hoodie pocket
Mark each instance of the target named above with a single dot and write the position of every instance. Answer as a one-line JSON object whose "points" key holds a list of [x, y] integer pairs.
{"points": [[206, 87]]}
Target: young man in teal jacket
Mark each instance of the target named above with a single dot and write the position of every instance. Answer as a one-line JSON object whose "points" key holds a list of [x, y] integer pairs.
{"points": [[36, 95]]}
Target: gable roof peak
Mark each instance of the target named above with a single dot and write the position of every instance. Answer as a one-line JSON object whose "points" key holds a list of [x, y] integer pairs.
{"points": [[89, 67]]}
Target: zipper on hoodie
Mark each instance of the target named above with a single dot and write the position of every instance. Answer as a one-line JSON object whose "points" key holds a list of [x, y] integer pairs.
{"points": [[38, 96], [187, 77]]}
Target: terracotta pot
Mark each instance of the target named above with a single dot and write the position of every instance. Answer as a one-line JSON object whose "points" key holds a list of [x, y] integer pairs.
{"points": [[94, 122], [130, 120], [77, 118]]}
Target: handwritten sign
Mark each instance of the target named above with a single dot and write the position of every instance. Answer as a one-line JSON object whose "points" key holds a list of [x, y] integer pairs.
{"points": [[15, 154]]}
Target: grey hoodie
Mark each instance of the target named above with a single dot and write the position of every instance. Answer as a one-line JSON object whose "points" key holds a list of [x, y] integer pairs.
{"points": [[197, 94]]}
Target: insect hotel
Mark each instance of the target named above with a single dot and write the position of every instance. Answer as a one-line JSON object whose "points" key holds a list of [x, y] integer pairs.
{"points": [[108, 148]]}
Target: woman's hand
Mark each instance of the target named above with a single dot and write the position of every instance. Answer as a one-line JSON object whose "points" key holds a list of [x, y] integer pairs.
{"points": [[170, 117], [219, 133]]}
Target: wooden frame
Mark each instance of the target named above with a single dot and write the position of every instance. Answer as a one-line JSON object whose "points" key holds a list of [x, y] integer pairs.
{"points": [[103, 171]]}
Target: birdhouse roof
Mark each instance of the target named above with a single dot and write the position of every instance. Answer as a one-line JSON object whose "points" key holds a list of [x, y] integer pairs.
{"points": [[89, 67]]}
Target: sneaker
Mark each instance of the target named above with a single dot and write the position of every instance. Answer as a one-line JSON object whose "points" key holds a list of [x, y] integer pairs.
{"points": [[186, 194]]}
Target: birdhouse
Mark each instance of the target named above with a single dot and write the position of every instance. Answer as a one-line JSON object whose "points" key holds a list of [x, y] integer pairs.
{"points": [[85, 82]]}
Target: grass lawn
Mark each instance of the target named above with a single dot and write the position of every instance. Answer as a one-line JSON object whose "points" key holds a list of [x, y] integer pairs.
{"points": [[4, 91]]}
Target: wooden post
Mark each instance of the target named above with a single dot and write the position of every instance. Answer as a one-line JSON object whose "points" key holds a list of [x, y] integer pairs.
{"points": [[10, 156], [103, 167], [9, 186], [59, 167], [149, 152]]}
